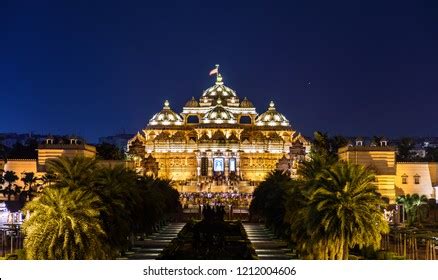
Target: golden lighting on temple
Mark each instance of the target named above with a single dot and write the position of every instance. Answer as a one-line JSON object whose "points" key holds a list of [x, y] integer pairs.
{"points": [[217, 138]]}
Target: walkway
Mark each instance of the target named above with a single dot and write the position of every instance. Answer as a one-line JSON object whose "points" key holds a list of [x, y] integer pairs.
{"points": [[266, 245], [151, 247]]}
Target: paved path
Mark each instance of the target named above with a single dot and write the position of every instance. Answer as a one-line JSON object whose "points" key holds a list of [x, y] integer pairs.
{"points": [[266, 245], [151, 247]]}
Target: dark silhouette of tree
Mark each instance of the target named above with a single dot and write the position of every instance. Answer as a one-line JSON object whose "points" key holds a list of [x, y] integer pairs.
{"points": [[404, 149], [10, 177], [327, 147], [269, 199], [3, 151], [109, 151], [26, 151], [30, 182], [431, 154]]}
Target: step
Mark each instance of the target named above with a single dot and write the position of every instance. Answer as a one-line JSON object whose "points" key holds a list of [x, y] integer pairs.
{"points": [[273, 257], [137, 249], [280, 250]]}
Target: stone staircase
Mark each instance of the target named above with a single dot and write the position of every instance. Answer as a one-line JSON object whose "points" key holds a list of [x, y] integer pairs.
{"points": [[151, 247], [266, 245]]}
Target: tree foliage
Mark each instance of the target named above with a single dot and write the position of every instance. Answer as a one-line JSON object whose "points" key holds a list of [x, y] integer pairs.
{"points": [[124, 204], [65, 224], [327, 147], [404, 149], [343, 210], [109, 151], [10, 177], [269, 199], [333, 207], [412, 205]]}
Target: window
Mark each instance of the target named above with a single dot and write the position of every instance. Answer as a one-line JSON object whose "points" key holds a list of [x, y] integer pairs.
{"points": [[192, 119], [232, 164], [404, 179], [204, 166], [245, 120], [218, 164], [417, 179]]}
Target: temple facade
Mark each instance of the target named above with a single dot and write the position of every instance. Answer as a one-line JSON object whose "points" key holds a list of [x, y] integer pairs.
{"points": [[218, 137]]}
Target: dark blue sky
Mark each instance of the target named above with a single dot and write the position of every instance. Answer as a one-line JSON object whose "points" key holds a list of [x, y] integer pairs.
{"points": [[97, 68]]}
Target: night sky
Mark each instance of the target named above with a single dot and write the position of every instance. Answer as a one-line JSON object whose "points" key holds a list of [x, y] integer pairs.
{"points": [[97, 68]]}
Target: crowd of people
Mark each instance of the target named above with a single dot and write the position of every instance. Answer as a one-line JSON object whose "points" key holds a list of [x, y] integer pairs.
{"points": [[195, 199]]}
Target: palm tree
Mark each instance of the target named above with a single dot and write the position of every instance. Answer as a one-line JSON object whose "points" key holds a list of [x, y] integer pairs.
{"points": [[159, 202], [29, 181], [64, 224], [312, 169], [73, 172], [10, 177], [343, 211], [2, 180], [117, 188], [321, 143], [411, 205], [326, 146], [269, 200], [48, 179]]}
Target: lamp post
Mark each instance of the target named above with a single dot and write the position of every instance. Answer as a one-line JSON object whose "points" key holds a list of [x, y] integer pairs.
{"points": [[230, 211], [200, 212]]}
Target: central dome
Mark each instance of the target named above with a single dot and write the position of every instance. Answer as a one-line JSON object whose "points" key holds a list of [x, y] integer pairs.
{"points": [[219, 90]]}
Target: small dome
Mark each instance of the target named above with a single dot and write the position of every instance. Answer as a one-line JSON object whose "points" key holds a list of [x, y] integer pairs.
{"points": [[166, 117], [246, 103], [192, 103], [271, 117], [219, 115]]}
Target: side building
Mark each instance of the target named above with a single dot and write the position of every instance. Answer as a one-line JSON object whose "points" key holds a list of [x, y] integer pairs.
{"points": [[381, 159], [394, 178], [50, 148]]}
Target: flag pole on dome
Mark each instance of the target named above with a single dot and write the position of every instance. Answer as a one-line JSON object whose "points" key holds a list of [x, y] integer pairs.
{"points": [[215, 70]]}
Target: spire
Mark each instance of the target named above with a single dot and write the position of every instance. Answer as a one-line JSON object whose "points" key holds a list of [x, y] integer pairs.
{"points": [[218, 75], [271, 105], [219, 79], [166, 104]]}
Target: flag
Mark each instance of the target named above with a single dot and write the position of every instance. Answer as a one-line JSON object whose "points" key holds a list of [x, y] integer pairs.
{"points": [[214, 71]]}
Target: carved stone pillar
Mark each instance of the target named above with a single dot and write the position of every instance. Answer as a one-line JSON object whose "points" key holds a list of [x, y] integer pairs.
{"points": [[210, 164], [226, 165], [198, 165]]}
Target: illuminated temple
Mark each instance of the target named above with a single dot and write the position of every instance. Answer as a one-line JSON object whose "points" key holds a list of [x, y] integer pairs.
{"points": [[218, 141]]}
